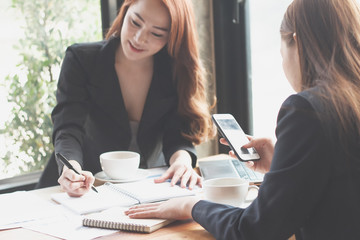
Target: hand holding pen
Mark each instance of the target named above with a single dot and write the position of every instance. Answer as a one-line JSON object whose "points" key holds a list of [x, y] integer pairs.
{"points": [[75, 185]]}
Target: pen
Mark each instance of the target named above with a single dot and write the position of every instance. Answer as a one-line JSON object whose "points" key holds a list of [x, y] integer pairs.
{"points": [[68, 164]]}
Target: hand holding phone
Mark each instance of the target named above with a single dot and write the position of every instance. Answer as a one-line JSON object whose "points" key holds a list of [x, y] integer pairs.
{"points": [[235, 136]]}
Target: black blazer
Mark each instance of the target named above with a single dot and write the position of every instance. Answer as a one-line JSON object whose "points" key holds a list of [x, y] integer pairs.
{"points": [[312, 188], [90, 116]]}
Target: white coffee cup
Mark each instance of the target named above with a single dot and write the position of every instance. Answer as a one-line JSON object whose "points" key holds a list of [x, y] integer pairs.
{"points": [[120, 164], [230, 191]]}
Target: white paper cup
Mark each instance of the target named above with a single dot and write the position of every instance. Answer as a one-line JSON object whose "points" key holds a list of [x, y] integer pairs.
{"points": [[230, 191], [120, 164]]}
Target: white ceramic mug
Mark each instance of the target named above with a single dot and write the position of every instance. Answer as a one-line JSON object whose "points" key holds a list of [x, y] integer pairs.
{"points": [[230, 191], [120, 164]]}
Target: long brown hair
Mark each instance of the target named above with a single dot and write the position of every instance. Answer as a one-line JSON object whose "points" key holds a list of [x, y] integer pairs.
{"points": [[188, 72], [328, 41]]}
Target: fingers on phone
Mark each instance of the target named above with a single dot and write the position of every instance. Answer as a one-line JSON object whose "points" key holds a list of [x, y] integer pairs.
{"points": [[223, 141], [249, 164], [249, 137]]}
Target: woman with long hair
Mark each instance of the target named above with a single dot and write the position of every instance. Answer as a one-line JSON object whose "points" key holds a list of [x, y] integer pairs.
{"points": [[312, 183], [141, 89]]}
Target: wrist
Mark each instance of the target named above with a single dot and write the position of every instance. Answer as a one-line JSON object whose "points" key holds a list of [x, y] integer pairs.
{"points": [[181, 156], [189, 204]]}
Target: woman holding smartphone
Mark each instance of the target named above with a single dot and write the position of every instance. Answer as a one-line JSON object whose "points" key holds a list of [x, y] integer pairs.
{"points": [[312, 185], [142, 89]]}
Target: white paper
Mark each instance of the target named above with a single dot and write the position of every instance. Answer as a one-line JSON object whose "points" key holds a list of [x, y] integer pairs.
{"points": [[68, 225], [19, 207], [156, 172]]}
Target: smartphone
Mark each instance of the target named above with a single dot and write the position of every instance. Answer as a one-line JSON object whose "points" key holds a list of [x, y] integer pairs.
{"points": [[235, 136]]}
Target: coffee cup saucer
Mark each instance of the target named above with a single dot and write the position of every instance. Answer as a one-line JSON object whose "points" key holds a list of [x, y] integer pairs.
{"points": [[139, 175]]}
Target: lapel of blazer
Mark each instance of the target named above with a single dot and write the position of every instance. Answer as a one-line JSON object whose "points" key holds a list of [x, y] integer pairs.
{"points": [[107, 93], [162, 95], [105, 88]]}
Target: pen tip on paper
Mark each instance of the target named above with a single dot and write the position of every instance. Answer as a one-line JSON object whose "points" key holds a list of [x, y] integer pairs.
{"points": [[93, 188]]}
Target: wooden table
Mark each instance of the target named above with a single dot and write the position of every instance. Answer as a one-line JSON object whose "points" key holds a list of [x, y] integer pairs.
{"points": [[177, 230], [188, 229]]}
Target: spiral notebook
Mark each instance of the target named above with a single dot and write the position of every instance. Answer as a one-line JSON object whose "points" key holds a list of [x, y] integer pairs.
{"points": [[123, 194], [114, 218]]}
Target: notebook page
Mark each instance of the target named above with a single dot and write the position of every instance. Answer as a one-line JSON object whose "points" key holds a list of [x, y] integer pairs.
{"points": [[148, 191], [94, 202]]}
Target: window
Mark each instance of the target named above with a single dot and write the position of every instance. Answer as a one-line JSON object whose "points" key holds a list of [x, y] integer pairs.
{"points": [[35, 36], [269, 85]]}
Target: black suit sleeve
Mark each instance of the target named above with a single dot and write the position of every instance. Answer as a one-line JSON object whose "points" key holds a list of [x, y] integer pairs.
{"points": [[284, 203], [173, 139], [71, 110]]}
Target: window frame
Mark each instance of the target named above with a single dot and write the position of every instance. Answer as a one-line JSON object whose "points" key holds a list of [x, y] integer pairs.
{"points": [[233, 62], [22, 182]]}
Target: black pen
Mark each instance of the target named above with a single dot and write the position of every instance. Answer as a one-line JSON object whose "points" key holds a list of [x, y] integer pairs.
{"points": [[68, 164]]}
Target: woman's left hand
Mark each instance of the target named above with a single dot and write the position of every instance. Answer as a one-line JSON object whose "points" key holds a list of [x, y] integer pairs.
{"points": [[181, 169]]}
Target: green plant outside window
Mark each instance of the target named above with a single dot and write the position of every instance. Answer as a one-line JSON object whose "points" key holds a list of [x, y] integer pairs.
{"points": [[49, 26]]}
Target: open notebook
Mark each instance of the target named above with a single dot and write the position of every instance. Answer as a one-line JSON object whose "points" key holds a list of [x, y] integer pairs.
{"points": [[124, 194], [114, 218]]}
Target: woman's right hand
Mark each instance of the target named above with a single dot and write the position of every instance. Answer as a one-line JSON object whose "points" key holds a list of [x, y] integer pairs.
{"points": [[175, 208], [74, 184], [264, 147]]}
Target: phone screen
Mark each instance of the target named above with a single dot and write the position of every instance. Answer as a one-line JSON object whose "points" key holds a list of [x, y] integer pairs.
{"points": [[235, 136]]}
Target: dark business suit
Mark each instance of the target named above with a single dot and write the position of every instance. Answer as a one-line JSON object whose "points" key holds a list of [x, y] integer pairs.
{"points": [[90, 116], [312, 188]]}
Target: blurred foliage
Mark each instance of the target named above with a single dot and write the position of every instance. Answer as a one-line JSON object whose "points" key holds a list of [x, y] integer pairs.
{"points": [[49, 27]]}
